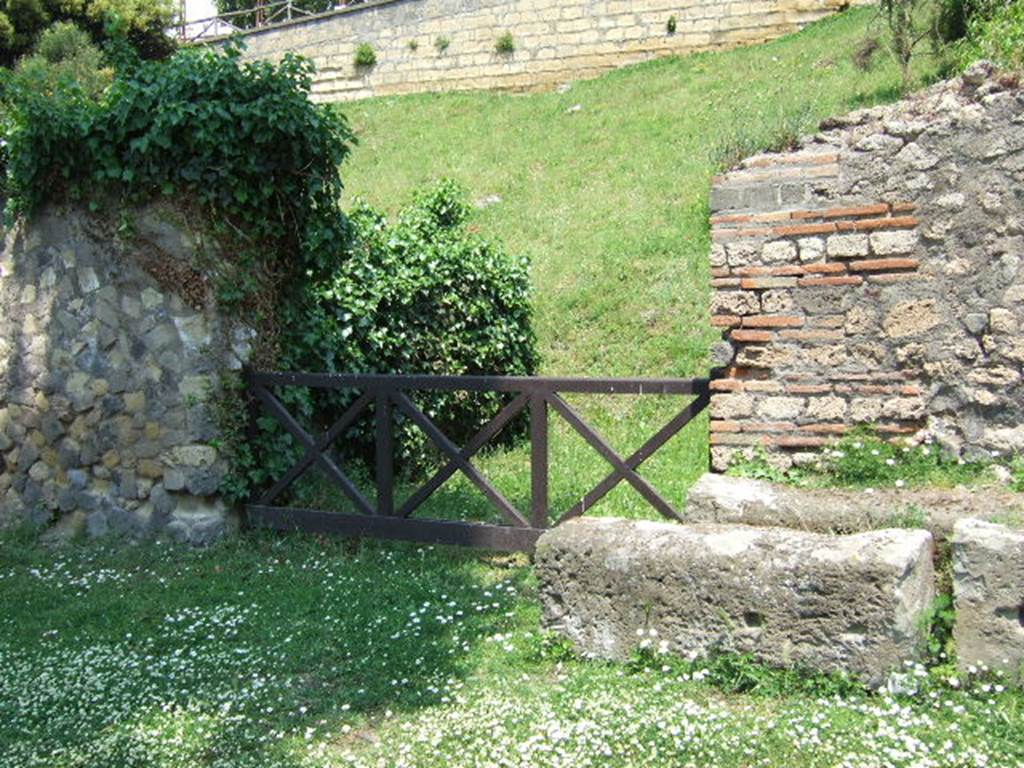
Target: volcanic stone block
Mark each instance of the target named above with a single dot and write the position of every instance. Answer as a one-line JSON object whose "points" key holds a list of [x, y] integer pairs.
{"points": [[828, 603], [988, 590], [723, 499]]}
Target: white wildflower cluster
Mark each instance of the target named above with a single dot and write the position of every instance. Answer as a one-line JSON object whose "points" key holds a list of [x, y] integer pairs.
{"points": [[410, 658]]}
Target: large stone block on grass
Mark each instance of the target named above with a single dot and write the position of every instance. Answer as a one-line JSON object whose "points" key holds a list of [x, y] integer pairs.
{"points": [[790, 598], [988, 590]]}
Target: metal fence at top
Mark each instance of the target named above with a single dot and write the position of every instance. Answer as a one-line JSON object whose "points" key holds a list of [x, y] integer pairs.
{"points": [[261, 15]]}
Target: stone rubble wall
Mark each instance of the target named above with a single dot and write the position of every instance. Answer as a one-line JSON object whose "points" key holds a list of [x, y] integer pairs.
{"points": [[105, 373], [874, 276], [790, 598], [555, 40]]}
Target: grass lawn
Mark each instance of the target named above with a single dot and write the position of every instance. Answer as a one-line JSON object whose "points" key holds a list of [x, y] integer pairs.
{"points": [[605, 187], [297, 652], [301, 652]]}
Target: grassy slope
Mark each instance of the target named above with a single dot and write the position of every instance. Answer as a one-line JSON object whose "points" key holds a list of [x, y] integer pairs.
{"points": [[610, 201]]}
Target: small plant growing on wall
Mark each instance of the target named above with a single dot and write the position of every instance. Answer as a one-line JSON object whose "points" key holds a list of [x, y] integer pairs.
{"points": [[366, 57], [414, 45], [506, 44], [442, 44], [670, 27]]}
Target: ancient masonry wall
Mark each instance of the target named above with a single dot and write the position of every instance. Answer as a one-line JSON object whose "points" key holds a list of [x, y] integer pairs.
{"points": [[105, 372], [874, 275], [555, 40]]}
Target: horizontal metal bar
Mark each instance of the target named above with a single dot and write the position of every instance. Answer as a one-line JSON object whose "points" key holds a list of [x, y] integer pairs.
{"points": [[497, 537], [531, 384]]}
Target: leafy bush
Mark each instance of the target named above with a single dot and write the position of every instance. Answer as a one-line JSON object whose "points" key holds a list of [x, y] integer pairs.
{"points": [[995, 31], [421, 295], [241, 141], [65, 54], [442, 43], [365, 55]]}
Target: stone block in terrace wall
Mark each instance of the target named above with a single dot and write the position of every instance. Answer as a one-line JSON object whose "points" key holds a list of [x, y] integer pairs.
{"points": [[716, 498], [829, 603], [876, 275], [107, 353], [555, 40], [988, 590]]}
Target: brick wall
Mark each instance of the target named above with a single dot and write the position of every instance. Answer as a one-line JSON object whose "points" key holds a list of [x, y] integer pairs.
{"points": [[555, 40], [874, 276]]}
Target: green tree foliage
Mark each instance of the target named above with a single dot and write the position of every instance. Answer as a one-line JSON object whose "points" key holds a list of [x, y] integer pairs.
{"points": [[995, 31], [23, 21], [65, 53], [262, 10]]}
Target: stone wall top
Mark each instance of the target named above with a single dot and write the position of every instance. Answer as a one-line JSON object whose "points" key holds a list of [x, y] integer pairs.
{"points": [[555, 40]]}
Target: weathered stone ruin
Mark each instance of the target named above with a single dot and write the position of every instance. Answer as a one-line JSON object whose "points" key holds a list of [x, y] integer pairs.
{"points": [[109, 348], [875, 275]]}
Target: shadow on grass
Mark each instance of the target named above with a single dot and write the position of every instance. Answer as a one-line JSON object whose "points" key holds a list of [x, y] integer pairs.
{"points": [[229, 648]]}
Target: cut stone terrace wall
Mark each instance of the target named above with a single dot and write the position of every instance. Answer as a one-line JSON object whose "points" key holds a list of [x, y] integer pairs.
{"points": [[104, 373], [874, 275], [555, 40]]}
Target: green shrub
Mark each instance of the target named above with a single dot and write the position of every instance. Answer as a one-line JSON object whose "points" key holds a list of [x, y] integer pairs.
{"points": [[954, 18], [442, 43], [420, 295], [671, 25], [65, 54], [506, 44], [365, 56], [240, 141], [995, 32]]}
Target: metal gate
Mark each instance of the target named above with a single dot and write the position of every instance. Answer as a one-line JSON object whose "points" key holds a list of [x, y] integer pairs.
{"points": [[382, 519]]}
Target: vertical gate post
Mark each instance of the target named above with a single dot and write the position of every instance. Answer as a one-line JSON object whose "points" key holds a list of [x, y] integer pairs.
{"points": [[539, 459], [384, 455]]}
